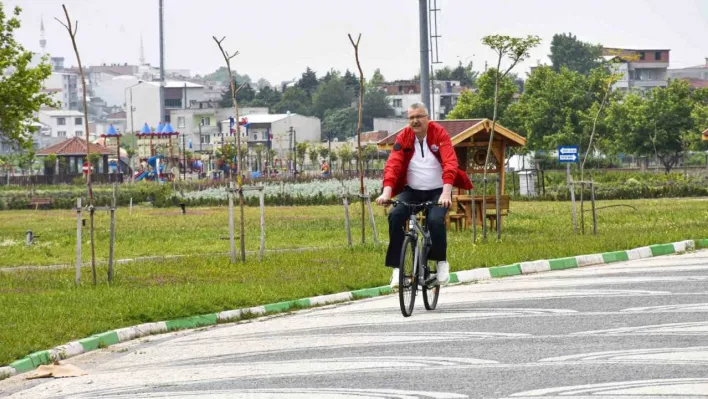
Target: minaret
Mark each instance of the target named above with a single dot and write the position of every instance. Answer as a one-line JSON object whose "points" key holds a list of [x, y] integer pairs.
{"points": [[142, 51], [42, 38]]}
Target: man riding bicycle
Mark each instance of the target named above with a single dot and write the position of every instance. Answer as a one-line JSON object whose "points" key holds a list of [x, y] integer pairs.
{"points": [[422, 167]]}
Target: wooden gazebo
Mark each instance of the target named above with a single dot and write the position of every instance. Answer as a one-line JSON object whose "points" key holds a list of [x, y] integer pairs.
{"points": [[73, 150], [470, 137], [704, 136]]}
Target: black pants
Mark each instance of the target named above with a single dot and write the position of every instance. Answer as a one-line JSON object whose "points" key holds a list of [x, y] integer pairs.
{"points": [[399, 216]]}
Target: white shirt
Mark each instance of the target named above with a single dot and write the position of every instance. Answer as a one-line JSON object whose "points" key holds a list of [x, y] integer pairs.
{"points": [[424, 170]]}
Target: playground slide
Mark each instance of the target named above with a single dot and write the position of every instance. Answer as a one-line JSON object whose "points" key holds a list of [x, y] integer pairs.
{"points": [[141, 176]]}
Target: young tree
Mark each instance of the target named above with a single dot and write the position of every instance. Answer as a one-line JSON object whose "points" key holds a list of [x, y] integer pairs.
{"points": [[377, 76], [20, 89], [301, 149], [313, 154], [517, 50], [72, 29], [242, 233], [480, 104]]}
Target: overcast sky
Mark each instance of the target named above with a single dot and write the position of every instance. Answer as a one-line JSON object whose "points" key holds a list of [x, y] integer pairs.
{"points": [[278, 39]]}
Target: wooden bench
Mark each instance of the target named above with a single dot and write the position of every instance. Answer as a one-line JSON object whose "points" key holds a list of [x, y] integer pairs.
{"points": [[491, 213], [456, 214], [36, 202]]}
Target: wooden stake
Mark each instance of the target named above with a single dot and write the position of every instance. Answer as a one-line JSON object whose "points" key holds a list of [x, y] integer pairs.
{"points": [[474, 219], [573, 208], [111, 250], [594, 214], [372, 220], [261, 201], [498, 192], [131, 206], [92, 211], [346, 222], [78, 241], [231, 223]]}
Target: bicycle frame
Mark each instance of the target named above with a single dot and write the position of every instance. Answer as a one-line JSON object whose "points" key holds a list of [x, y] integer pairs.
{"points": [[415, 230]]}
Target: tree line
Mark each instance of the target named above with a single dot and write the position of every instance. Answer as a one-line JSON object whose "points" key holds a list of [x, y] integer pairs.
{"points": [[560, 102]]}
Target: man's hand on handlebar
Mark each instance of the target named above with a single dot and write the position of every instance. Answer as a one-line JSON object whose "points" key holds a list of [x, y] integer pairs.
{"points": [[385, 198]]}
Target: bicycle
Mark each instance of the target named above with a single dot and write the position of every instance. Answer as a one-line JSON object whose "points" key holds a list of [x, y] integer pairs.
{"points": [[414, 268]]}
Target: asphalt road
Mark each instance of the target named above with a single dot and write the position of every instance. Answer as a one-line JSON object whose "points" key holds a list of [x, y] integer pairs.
{"points": [[635, 329]]}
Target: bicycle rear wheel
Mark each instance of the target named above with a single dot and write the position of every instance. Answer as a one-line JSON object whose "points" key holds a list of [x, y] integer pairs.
{"points": [[430, 295], [406, 277]]}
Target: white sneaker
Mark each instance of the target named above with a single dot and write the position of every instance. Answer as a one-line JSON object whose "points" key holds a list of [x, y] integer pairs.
{"points": [[443, 272], [394, 278]]}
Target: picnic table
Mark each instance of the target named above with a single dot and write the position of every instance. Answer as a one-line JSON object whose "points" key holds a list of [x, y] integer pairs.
{"points": [[464, 206]]}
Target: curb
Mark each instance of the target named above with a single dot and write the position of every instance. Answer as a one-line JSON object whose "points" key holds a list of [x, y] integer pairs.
{"points": [[102, 340]]}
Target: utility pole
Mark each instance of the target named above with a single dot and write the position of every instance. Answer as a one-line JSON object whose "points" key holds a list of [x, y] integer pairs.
{"points": [[424, 54], [162, 63], [184, 156], [200, 134]]}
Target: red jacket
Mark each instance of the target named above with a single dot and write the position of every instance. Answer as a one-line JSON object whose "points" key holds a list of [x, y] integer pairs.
{"points": [[396, 169]]}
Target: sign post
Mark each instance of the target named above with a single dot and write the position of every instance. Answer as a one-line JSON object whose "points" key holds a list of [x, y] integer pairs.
{"points": [[568, 155]]}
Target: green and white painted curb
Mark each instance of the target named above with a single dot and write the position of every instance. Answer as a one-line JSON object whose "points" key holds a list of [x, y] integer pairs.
{"points": [[34, 360]]}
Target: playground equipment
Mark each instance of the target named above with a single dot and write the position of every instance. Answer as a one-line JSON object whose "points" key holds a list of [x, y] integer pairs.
{"points": [[155, 152], [155, 171], [111, 139]]}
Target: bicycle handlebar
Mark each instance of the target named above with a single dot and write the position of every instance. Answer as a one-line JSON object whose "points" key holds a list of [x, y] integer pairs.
{"points": [[418, 207]]}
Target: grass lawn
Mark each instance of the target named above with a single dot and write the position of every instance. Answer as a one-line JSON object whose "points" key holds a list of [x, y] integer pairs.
{"points": [[40, 309]]}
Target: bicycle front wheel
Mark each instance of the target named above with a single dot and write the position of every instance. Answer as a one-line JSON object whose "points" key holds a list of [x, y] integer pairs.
{"points": [[431, 294], [406, 277]]}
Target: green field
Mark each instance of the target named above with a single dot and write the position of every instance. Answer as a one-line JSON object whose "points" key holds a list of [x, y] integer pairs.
{"points": [[40, 309]]}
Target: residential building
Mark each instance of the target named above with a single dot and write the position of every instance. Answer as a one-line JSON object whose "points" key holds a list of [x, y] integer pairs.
{"points": [[65, 87], [114, 91], [277, 130], [442, 104], [641, 69], [389, 124], [697, 76], [143, 101], [41, 137], [403, 94], [402, 87], [200, 126], [62, 124]]}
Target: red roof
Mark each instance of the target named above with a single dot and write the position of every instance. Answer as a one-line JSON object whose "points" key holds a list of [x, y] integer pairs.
{"points": [[74, 146], [705, 132], [453, 127]]}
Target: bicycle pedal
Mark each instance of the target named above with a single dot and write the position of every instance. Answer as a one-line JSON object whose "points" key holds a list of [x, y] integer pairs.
{"points": [[431, 282]]}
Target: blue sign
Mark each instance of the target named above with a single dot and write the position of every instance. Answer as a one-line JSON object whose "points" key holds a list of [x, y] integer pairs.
{"points": [[231, 121], [568, 154], [190, 144]]}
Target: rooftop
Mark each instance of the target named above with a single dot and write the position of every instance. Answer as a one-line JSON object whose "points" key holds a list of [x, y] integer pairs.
{"points": [[74, 146], [176, 84], [62, 113], [264, 118]]}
